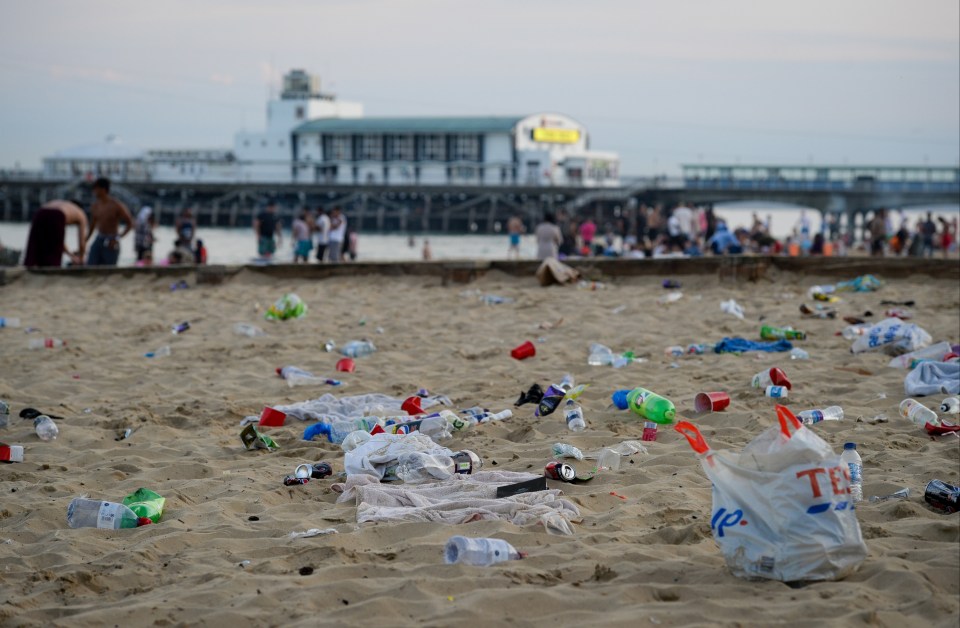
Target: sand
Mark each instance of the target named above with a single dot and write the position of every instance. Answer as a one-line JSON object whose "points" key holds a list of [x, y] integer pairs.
{"points": [[642, 555]]}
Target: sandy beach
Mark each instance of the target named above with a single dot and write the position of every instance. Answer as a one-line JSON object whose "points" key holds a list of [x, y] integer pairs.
{"points": [[641, 554]]}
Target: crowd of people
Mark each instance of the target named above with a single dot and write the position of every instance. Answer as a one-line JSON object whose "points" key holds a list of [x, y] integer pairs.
{"points": [[655, 232], [324, 236]]}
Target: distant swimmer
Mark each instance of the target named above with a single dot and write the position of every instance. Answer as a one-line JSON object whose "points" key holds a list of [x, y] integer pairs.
{"points": [[46, 244], [106, 214]]}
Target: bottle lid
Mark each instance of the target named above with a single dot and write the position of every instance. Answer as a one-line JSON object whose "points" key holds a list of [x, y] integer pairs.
{"points": [[849, 445], [620, 399]]}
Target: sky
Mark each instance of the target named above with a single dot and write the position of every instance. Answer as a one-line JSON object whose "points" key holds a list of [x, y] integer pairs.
{"points": [[872, 82]]}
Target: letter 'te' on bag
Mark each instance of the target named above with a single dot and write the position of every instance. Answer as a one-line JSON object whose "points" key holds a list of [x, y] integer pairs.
{"points": [[781, 507]]}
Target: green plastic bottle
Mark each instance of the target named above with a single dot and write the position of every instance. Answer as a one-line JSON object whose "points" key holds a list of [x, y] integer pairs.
{"points": [[145, 503], [769, 332], [647, 404]]}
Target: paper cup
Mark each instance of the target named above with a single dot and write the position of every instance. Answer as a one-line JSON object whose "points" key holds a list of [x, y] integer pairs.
{"points": [[711, 401], [524, 351]]}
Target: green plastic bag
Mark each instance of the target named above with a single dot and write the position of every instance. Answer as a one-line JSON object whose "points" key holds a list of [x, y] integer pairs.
{"points": [[145, 503], [288, 306]]}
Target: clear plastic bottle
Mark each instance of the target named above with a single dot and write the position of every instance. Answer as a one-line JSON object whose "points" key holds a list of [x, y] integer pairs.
{"points": [[358, 348], [4, 413], [799, 354], [9, 322], [573, 413], [918, 414], [246, 329], [933, 352], [732, 307], [674, 351], [670, 297], [831, 413], [46, 429], [495, 416], [296, 376], [851, 458], [852, 332], [478, 552], [600, 355], [46, 343], [563, 450], [416, 467], [162, 352], [337, 431], [93, 513]]}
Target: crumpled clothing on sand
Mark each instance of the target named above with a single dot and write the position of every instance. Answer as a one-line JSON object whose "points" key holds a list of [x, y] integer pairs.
{"points": [[933, 378], [461, 499]]}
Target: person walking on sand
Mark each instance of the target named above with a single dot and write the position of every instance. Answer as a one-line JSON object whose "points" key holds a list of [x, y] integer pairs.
{"points": [[548, 237], [106, 214], [267, 228], [515, 229], [46, 244], [143, 235]]}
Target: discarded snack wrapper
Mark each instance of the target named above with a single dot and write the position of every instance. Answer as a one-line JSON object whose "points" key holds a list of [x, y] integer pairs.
{"points": [[252, 439]]}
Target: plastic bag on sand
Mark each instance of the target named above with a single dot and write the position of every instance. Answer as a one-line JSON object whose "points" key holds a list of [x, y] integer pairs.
{"points": [[892, 335], [288, 306], [781, 507], [329, 408], [933, 378], [552, 271], [378, 456], [732, 307]]}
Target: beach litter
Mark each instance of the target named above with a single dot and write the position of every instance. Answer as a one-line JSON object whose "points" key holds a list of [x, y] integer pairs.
{"points": [[774, 514], [287, 307]]}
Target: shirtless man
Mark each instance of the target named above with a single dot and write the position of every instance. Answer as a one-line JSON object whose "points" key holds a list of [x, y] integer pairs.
{"points": [[106, 214], [46, 244], [516, 229]]}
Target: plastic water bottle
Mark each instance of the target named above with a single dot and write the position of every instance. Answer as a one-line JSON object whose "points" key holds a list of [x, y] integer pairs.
{"points": [[358, 348], [674, 351], [852, 332], [851, 458], [92, 513], [573, 413], [338, 430], [918, 414], [563, 450], [9, 322], [478, 552], [831, 413], [246, 329], [46, 429], [46, 343], [4, 413], [670, 297], [416, 467], [732, 307], [600, 355], [162, 352], [799, 354], [296, 376], [495, 416], [933, 352]]}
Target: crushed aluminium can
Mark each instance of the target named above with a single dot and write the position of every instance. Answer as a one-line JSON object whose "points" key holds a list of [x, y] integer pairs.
{"points": [[942, 497], [559, 471]]}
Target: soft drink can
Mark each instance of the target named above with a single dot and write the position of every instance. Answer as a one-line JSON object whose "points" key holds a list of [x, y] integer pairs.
{"points": [[559, 471], [292, 480], [942, 496], [649, 431]]}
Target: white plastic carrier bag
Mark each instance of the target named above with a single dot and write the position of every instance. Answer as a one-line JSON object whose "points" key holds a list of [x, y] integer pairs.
{"points": [[781, 507]]}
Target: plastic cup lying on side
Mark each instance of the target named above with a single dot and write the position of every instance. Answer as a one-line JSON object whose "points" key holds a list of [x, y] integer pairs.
{"points": [[526, 350], [711, 401]]}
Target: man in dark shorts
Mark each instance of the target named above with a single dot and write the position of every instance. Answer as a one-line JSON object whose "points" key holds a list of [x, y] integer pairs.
{"points": [[45, 244], [106, 214], [267, 228]]}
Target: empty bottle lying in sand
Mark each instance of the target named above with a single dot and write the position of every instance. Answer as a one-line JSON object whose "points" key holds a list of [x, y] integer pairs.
{"points": [[478, 552], [416, 466], [46, 343], [831, 413], [246, 329], [93, 513], [358, 348], [9, 322], [296, 376], [918, 414]]}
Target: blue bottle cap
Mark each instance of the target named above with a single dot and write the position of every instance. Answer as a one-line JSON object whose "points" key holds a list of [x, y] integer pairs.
{"points": [[849, 445], [620, 399]]}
